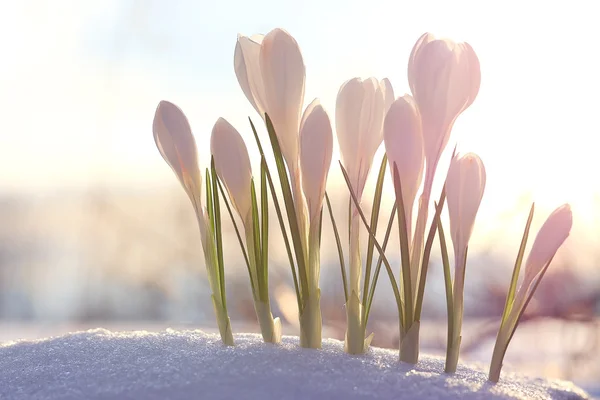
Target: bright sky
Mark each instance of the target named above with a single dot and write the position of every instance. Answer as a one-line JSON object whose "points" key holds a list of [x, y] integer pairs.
{"points": [[80, 80]]}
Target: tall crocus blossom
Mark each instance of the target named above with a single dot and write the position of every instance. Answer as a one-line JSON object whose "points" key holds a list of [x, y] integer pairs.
{"points": [[551, 236], [233, 167], [316, 146], [270, 70], [465, 185], [444, 78], [404, 148], [176, 144], [360, 110]]}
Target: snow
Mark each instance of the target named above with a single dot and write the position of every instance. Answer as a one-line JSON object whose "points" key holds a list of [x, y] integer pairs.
{"points": [[100, 364]]}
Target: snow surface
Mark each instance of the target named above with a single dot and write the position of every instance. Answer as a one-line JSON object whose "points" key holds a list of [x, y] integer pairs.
{"points": [[99, 364]]}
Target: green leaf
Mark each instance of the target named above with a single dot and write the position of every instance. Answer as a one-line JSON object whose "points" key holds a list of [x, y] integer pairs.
{"points": [[209, 203], [279, 215], [426, 256], [374, 222], [256, 240], [339, 248], [510, 297], [289, 206], [218, 232], [264, 209], [378, 266], [288, 248], [211, 227], [447, 275], [239, 236], [399, 301], [530, 294], [404, 249]]}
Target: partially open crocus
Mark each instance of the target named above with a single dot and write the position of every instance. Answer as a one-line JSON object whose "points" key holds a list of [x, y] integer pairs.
{"points": [[316, 146], [404, 148], [232, 164], [176, 144], [271, 72], [444, 79], [465, 185], [360, 109], [549, 239]]}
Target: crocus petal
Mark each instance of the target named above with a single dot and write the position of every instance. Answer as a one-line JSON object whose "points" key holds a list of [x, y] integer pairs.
{"points": [[465, 185], [388, 94], [283, 75], [359, 124], [550, 237], [444, 78], [233, 165], [247, 70], [414, 54], [316, 146], [404, 147], [176, 144]]}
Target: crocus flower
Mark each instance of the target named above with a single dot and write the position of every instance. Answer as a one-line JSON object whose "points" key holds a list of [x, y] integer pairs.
{"points": [[550, 237], [360, 109], [403, 140], [233, 166], [271, 73], [465, 185], [444, 78], [176, 144], [316, 146]]}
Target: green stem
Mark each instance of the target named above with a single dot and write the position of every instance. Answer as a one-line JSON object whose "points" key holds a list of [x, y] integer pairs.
{"points": [[311, 321], [409, 343], [497, 359], [355, 330], [310, 314], [223, 322], [270, 328], [455, 326], [418, 238]]}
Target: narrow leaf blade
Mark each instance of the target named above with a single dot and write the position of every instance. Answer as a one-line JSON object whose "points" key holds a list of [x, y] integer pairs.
{"points": [[374, 222], [379, 248], [339, 248], [510, 297]]}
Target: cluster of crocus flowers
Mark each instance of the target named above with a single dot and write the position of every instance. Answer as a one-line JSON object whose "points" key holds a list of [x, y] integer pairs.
{"points": [[271, 73], [444, 79], [175, 142]]}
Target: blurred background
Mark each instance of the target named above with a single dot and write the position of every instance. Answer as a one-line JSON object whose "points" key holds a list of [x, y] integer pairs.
{"points": [[95, 231]]}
